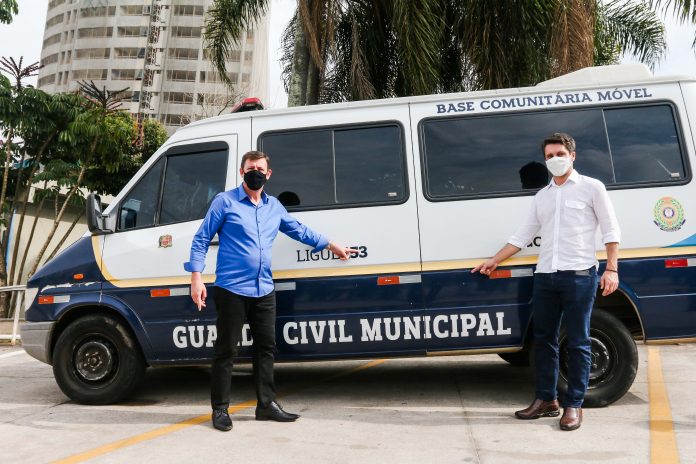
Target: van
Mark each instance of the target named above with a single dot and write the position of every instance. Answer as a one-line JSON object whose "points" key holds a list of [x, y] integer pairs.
{"points": [[424, 188]]}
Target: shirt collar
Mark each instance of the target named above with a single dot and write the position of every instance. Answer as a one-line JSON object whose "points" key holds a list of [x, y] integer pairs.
{"points": [[242, 195], [574, 177]]}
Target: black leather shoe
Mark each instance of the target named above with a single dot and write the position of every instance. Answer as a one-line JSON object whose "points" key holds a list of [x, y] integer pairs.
{"points": [[221, 420], [275, 413]]}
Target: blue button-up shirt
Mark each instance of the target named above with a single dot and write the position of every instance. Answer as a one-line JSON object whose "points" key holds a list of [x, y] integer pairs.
{"points": [[246, 232]]}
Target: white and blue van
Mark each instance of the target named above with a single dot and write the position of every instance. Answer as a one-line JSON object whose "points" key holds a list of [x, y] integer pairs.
{"points": [[425, 188]]}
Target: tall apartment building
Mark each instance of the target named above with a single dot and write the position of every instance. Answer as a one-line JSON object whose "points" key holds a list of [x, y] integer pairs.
{"points": [[153, 47]]}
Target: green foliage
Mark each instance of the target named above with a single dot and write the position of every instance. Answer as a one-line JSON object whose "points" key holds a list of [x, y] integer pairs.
{"points": [[116, 158], [362, 49], [154, 135], [628, 27], [8, 9]]}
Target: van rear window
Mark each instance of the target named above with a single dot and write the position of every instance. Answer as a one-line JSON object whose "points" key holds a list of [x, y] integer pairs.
{"points": [[336, 166], [500, 155]]}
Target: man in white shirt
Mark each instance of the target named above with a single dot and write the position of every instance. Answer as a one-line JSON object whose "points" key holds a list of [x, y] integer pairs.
{"points": [[566, 213]]}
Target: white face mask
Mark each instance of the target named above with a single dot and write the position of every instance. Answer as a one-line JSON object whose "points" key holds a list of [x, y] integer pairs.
{"points": [[559, 165]]}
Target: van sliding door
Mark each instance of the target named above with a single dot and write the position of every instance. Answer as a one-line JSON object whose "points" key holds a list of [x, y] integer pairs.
{"points": [[346, 174]]}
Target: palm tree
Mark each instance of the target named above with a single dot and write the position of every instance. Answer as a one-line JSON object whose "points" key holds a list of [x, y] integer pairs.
{"points": [[337, 50]]}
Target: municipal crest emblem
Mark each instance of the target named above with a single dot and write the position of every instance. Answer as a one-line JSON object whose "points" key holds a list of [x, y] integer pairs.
{"points": [[165, 241], [668, 214]]}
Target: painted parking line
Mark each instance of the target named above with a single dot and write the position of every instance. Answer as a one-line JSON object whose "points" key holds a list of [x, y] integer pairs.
{"points": [[663, 442], [152, 434]]}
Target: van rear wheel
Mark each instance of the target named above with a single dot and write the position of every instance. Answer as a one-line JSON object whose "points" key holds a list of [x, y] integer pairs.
{"points": [[96, 361], [614, 360]]}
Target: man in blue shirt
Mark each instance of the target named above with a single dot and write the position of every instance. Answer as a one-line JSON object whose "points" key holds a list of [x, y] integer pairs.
{"points": [[246, 221]]}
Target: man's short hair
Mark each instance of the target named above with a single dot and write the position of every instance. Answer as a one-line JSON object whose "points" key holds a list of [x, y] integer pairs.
{"points": [[561, 138], [255, 155]]}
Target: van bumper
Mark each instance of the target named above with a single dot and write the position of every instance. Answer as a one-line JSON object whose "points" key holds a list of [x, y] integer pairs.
{"points": [[35, 339]]}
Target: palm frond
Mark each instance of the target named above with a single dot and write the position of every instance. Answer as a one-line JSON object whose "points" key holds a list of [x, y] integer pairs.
{"points": [[17, 71], [109, 100], [224, 23], [634, 29], [421, 26], [685, 10], [572, 47]]}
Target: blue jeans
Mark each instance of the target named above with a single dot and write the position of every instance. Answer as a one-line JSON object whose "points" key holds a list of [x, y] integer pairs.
{"points": [[567, 295]]}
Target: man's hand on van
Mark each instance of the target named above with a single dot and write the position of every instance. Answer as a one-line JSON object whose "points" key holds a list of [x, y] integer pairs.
{"points": [[486, 268], [490, 265], [340, 251], [198, 291]]}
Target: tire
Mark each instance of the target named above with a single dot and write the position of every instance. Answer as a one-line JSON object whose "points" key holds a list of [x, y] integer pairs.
{"points": [[614, 361], [518, 358], [96, 361]]}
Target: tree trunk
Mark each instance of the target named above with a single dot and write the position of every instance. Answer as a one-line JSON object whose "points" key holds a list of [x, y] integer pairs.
{"points": [[6, 173], [59, 216], [297, 93], [31, 235], [18, 235], [65, 236], [3, 263], [312, 94]]}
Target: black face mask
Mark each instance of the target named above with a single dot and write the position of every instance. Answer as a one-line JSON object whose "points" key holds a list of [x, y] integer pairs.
{"points": [[254, 179]]}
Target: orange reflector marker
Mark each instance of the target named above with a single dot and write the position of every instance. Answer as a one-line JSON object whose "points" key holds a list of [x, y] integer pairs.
{"points": [[677, 262], [79, 276], [45, 300], [501, 274], [159, 292], [388, 280]]}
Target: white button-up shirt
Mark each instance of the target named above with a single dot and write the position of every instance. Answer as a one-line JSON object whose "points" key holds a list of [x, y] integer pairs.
{"points": [[567, 216]]}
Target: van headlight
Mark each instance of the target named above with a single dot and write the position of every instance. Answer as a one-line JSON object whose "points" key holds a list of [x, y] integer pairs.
{"points": [[29, 297]]}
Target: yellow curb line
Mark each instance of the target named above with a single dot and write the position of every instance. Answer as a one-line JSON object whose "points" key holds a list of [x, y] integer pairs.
{"points": [[156, 433], [663, 443]]}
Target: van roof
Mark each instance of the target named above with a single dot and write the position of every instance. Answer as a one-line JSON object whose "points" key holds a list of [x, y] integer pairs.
{"points": [[591, 77]]}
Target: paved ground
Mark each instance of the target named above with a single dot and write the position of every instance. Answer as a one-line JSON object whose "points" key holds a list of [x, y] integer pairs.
{"points": [[438, 410]]}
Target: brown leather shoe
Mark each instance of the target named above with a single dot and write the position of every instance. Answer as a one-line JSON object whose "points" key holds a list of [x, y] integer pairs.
{"points": [[539, 408], [571, 419]]}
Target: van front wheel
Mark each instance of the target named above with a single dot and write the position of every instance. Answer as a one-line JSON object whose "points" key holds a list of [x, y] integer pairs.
{"points": [[96, 361], [614, 360]]}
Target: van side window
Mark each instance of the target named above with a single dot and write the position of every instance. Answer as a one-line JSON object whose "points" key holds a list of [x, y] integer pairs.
{"points": [[491, 156], [644, 144], [336, 167], [190, 183], [502, 154], [139, 208], [179, 187]]}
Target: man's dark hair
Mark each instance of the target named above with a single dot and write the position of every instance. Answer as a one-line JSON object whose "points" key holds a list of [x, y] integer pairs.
{"points": [[559, 137], [255, 155]]}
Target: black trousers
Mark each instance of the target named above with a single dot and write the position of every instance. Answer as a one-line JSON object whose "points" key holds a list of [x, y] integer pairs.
{"points": [[232, 311]]}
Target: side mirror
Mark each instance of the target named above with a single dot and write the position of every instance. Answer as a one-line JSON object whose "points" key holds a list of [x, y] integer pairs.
{"points": [[95, 219]]}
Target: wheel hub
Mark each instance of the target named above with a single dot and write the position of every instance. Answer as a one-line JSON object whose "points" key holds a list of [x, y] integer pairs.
{"points": [[94, 360], [601, 359]]}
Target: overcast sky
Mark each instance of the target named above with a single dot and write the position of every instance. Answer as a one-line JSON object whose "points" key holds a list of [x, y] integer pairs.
{"points": [[24, 37]]}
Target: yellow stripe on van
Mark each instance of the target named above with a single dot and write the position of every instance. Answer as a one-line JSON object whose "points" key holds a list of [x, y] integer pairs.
{"points": [[347, 271], [141, 282], [631, 253], [373, 269]]}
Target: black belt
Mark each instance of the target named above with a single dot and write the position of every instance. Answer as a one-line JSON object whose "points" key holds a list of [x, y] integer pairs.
{"points": [[583, 272]]}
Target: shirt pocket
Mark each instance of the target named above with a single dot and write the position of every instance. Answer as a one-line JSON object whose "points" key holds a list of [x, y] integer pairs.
{"points": [[575, 211], [574, 204]]}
